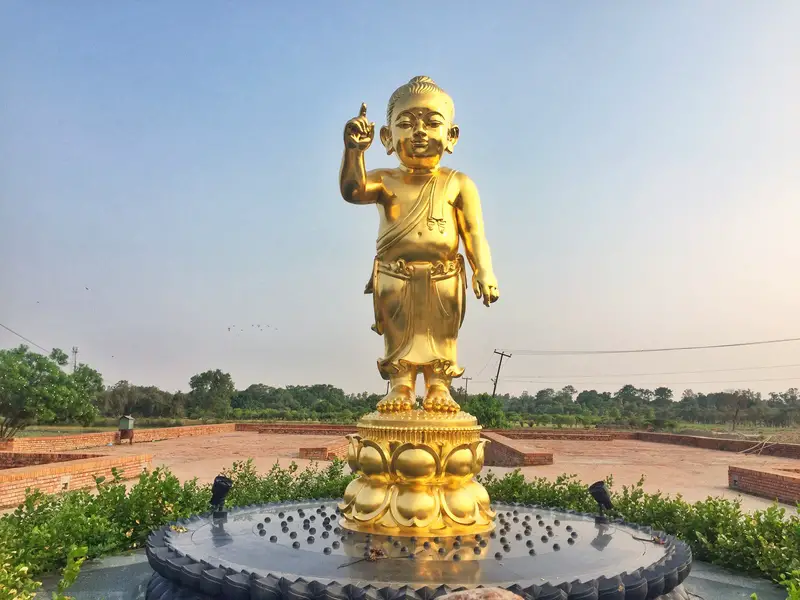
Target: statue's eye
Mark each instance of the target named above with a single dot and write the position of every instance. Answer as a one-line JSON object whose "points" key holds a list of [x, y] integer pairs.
{"points": [[434, 124], [404, 124]]}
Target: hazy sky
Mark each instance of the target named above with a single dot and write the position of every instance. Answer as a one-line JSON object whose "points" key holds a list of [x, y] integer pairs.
{"points": [[638, 163]]}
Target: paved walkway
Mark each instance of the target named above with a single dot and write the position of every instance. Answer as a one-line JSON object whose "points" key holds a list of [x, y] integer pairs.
{"points": [[692, 472]]}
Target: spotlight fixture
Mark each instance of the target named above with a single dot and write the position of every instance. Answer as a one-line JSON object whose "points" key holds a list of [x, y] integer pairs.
{"points": [[600, 494], [219, 490]]}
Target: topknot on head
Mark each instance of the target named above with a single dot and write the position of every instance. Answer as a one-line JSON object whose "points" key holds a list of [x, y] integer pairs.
{"points": [[421, 84]]}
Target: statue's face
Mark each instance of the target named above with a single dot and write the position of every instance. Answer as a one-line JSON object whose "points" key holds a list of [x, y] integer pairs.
{"points": [[421, 130]]}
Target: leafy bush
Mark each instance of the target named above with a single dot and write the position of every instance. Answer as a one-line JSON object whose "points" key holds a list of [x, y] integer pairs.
{"points": [[285, 484], [16, 584], [15, 578], [792, 585], [764, 543], [45, 530], [487, 409]]}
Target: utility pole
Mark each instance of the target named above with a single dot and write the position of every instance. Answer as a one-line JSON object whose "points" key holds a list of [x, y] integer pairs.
{"points": [[500, 364], [466, 386], [74, 358]]}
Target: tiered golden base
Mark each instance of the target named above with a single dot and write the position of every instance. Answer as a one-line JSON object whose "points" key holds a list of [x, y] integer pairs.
{"points": [[415, 476]]}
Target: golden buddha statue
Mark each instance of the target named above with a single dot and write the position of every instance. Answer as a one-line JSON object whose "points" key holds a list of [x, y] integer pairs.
{"points": [[418, 280], [416, 468]]}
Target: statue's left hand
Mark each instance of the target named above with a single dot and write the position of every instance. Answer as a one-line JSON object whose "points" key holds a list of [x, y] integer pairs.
{"points": [[485, 286]]}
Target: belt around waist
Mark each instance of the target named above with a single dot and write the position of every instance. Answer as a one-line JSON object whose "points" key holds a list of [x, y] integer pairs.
{"points": [[405, 269]]}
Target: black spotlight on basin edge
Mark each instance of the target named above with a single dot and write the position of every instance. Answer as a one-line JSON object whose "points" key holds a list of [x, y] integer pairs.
{"points": [[599, 492], [219, 489]]}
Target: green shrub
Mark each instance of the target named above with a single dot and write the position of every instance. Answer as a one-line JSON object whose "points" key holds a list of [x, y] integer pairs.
{"points": [[792, 585], [16, 583], [47, 532], [764, 543], [70, 573], [15, 578], [280, 484], [40, 535]]}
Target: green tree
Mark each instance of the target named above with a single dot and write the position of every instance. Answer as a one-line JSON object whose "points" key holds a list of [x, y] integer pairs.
{"points": [[59, 357], [88, 382], [34, 388], [663, 397], [211, 393], [488, 410]]}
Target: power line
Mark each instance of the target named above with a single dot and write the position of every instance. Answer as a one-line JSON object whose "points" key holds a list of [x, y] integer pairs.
{"points": [[535, 377], [32, 343], [665, 384], [483, 368], [644, 350]]}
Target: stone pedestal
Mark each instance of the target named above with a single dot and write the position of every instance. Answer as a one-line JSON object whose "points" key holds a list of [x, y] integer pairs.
{"points": [[416, 476]]}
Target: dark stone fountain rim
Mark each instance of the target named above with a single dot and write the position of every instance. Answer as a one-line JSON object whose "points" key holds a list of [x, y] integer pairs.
{"points": [[179, 575]]}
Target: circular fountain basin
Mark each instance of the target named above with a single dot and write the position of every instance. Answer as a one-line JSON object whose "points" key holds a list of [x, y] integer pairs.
{"points": [[300, 551]]}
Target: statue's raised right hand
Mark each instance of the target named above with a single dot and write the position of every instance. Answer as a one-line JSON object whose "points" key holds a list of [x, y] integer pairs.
{"points": [[358, 132]]}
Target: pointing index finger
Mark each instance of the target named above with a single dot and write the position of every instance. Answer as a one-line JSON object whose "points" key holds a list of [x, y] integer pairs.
{"points": [[363, 111]]}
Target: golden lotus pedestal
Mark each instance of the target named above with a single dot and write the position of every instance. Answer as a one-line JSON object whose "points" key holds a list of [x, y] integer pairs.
{"points": [[416, 476]]}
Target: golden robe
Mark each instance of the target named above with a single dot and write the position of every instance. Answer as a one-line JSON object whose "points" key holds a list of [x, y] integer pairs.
{"points": [[419, 306]]}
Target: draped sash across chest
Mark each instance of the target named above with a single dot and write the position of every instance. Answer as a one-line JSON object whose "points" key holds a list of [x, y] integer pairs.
{"points": [[428, 204]]}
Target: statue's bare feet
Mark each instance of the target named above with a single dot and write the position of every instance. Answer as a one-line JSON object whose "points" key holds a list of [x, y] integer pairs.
{"points": [[438, 399], [400, 398]]}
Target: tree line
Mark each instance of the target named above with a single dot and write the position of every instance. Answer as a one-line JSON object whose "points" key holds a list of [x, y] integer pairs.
{"points": [[639, 407], [37, 389]]}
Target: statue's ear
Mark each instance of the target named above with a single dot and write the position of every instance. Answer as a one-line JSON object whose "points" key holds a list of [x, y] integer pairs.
{"points": [[452, 139], [386, 139]]}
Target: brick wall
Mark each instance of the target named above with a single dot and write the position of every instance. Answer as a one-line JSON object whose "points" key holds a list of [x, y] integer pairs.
{"points": [[782, 450], [59, 443], [327, 450], [58, 477], [602, 435], [169, 433], [775, 484], [623, 435], [12, 460], [93, 440], [554, 434], [296, 428], [502, 451]]}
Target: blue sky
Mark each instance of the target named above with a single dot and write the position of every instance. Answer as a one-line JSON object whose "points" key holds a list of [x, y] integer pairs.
{"points": [[639, 166]]}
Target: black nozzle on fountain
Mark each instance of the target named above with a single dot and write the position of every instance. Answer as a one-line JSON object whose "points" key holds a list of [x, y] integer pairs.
{"points": [[219, 490], [599, 492]]}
